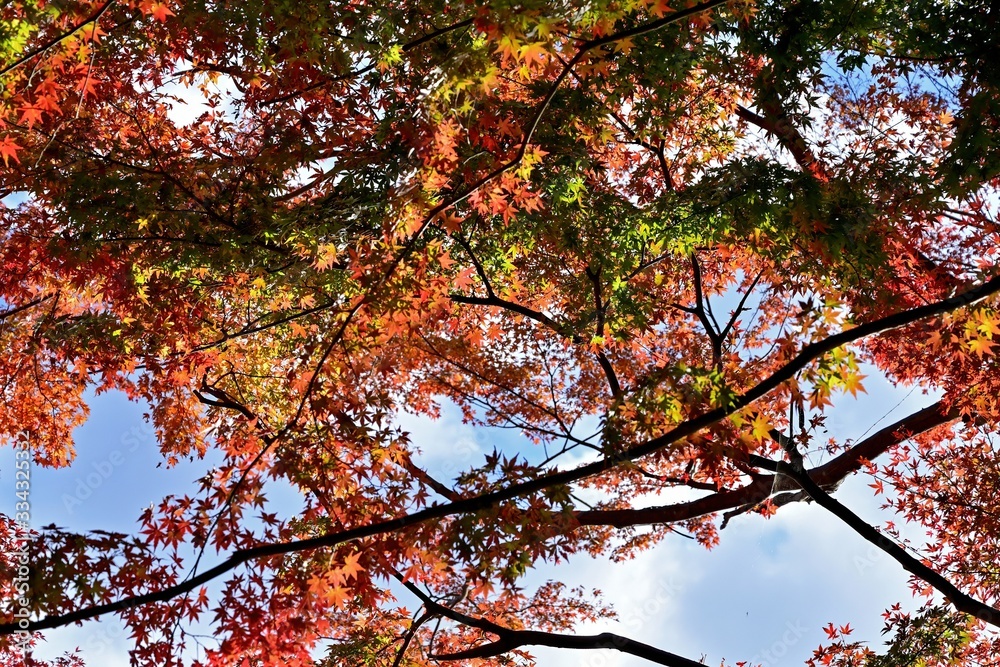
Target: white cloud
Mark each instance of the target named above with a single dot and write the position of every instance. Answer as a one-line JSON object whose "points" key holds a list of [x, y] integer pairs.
{"points": [[763, 594]]}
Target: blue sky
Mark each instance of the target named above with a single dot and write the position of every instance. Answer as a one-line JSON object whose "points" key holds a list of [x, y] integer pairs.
{"points": [[763, 594]]}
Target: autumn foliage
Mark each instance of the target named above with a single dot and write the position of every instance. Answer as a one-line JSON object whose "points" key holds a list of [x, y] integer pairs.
{"points": [[661, 240]]}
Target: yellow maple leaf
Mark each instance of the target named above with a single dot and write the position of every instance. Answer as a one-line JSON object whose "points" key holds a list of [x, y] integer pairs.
{"points": [[508, 48], [624, 45], [981, 346], [988, 324], [761, 427], [852, 383], [489, 80]]}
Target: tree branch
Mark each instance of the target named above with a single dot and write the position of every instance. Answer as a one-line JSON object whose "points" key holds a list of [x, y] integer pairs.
{"points": [[778, 126], [513, 639], [960, 600], [806, 356], [25, 306], [563, 330], [57, 39], [703, 315], [827, 476]]}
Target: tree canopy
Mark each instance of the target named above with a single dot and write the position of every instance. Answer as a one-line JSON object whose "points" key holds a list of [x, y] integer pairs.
{"points": [[661, 240]]}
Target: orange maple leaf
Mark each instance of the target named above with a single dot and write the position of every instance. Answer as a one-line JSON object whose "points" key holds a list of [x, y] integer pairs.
{"points": [[351, 567], [158, 10], [659, 8], [445, 260], [465, 278], [532, 53], [483, 588], [981, 346], [938, 338], [8, 150], [451, 222], [88, 86], [338, 595]]}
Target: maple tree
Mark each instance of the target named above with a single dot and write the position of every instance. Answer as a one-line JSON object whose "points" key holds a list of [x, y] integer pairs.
{"points": [[694, 225]]}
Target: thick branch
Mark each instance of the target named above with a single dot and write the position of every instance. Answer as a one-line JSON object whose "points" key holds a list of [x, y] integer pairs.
{"points": [[828, 475], [777, 125], [426, 479], [513, 639], [960, 600], [599, 312], [23, 307], [701, 301]]}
